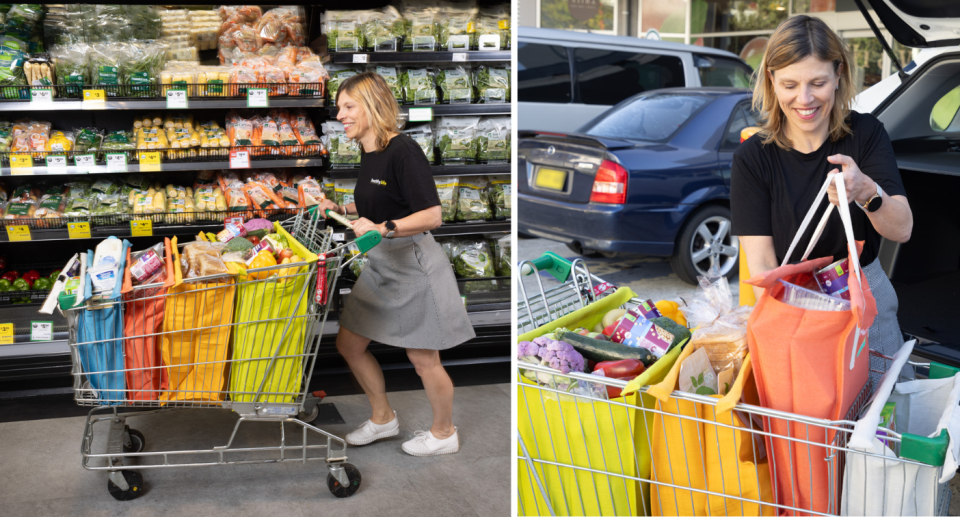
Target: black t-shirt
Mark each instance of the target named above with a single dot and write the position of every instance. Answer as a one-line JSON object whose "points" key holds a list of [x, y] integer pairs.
{"points": [[771, 190], [395, 182]]}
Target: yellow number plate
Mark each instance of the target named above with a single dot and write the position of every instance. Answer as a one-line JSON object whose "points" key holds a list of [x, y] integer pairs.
{"points": [[551, 179], [141, 228], [78, 230], [20, 232]]}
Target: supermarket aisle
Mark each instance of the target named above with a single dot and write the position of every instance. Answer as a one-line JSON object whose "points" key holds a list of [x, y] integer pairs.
{"points": [[41, 472]]}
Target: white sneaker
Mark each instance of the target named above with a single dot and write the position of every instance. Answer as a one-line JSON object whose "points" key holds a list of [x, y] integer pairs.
{"points": [[369, 432], [425, 444]]}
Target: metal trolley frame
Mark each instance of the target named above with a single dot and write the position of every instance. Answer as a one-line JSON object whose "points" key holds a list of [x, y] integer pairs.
{"points": [[267, 384], [548, 455]]}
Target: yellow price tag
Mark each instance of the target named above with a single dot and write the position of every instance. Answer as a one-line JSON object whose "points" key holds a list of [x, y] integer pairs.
{"points": [[17, 233], [79, 230], [141, 228], [471, 27], [21, 161], [94, 95], [503, 24], [149, 161], [6, 333]]}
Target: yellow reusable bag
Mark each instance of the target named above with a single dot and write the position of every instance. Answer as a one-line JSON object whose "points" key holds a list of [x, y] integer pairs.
{"points": [[720, 455], [196, 336], [264, 309], [608, 437]]}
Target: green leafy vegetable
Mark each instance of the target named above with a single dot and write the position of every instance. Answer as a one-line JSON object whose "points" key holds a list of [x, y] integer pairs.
{"points": [[493, 84], [473, 200], [456, 85], [419, 86]]}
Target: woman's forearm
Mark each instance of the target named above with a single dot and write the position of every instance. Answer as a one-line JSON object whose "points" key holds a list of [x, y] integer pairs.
{"points": [[419, 222], [894, 219], [349, 209]]}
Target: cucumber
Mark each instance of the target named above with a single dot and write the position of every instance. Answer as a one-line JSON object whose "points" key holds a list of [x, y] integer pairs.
{"points": [[597, 350], [680, 333]]}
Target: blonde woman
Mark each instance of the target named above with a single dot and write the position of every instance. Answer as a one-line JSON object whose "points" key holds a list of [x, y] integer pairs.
{"points": [[803, 92], [407, 295]]}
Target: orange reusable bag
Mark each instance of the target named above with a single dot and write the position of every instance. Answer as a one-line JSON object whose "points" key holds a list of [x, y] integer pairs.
{"points": [[809, 362]]}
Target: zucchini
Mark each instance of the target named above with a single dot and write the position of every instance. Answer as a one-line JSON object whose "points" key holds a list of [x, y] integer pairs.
{"points": [[680, 333], [258, 233], [597, 350]]}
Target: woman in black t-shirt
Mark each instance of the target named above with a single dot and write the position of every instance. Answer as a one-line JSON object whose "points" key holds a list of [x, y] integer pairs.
{"points": [[803, 93], [407, 295]]}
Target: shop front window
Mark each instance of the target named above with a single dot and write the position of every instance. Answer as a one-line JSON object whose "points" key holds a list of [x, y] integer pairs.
{"points": [[576, 14], [814, 6], [666, 16], [749, 48], [737, 15], [868, 55]]}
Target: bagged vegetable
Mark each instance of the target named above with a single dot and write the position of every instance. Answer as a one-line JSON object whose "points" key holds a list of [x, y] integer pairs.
{"points": [[419, 86], [473, 200], [493, 140], [343, 30], [423, 136], [500, 190], [503, 262], [448, 192], [329, 191], [420, 27], [457, 139], [458, 23], [493, 29], [338, 74], [473, 260], [456, 84], [107, 66], [71, 68], [493, 84], [389, 74], [344, 152], [11, 74], [382, 30], [343, 191]]}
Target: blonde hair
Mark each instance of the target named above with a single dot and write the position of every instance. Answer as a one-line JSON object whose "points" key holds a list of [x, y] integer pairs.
{"points": [[794, 40], [373, 93]]}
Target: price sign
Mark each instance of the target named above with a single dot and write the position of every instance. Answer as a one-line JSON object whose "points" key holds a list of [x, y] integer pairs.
{"points": [[6, 333], [41, 96], [459, 56], [57, 162], [239, 159], [257, 98], [177, 99], [17, 233], [85, 162], [79, 230], [94, 100], [21, 161], [340, 237], [150, 161], [420, 114], [141, 228], [117, 162], [361, 58], [41, 331]]}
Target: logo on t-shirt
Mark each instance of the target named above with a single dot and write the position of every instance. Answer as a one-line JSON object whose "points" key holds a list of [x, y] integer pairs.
{"points": [[382, 183]]}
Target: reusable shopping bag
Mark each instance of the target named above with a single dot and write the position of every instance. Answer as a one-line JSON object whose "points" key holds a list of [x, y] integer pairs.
{"points": [[604, 436], [142, 323], [809, 362], [196, 335], [100, 328], [707, 447], [271, 321], [875, 482]]}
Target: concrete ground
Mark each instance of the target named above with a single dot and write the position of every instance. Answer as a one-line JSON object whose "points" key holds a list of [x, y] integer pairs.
{"points": [[41, 473], [650, 278]]}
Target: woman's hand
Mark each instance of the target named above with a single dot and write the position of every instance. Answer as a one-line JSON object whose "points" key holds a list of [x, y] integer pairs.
{"points": [[363, 225], [858, 185], [326, 204]]}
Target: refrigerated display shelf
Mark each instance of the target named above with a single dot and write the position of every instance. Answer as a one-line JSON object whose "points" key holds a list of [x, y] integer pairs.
{"points": [[438, 170], [156, 104], [448, 110], [468, 228], [132, 168], [419, 57]]}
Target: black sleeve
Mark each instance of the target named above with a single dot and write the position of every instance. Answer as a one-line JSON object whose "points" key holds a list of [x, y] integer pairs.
{"points": [[416, 181], [876, 156], [749, 196]]}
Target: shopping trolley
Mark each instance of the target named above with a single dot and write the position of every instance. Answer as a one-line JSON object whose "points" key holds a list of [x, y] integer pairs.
{"points": [[245, 342], [662, 451]]}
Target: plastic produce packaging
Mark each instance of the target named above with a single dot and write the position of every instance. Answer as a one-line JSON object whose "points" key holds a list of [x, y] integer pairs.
{"points": [[419, 85], [423, 136], [382, 30], [344, 152], [456, 84], [457, 139], [500, 195], [338, 74], [343, 190], [420, 27], [493, 29], [202, 259], [344, 30], [458, 23], [449, 193], [493, 84], [392, 78], [504, 262], [721, 325], [473, 199], [472, 259], [697, 376], [493, 140]]}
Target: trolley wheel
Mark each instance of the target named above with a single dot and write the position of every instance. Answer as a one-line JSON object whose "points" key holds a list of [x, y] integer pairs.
{"points": [[137, 441], [134, 479], [353, 475], [311, 416]]}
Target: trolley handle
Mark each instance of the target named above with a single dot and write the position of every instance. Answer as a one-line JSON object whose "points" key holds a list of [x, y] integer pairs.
{"points": [[550, 262], [365, 242]]}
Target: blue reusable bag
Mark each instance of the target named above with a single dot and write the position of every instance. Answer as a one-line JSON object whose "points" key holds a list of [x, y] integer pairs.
{"points": [[101, 357]]}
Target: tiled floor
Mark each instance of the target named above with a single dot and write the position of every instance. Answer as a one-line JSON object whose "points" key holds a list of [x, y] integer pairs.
{"points": [[40, 471]]}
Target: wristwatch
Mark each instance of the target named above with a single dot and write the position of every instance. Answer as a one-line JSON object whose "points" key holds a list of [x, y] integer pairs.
{"points": [[872, 204], [391, 227]]}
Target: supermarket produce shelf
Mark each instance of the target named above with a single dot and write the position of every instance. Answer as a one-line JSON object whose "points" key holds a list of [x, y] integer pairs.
{"points": [[131, 167], [447, 110], [157, 104], [418, 57], [438, 170]]}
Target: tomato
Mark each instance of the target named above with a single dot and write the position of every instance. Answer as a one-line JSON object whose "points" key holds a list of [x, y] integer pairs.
{"points": [[254, 240]]}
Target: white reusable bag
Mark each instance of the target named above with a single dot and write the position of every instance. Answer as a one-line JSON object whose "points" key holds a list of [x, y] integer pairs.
{"points": [[873, 485]]}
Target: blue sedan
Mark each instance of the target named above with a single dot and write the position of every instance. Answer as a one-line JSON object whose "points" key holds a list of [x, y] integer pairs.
{"points": [[649, 176]]}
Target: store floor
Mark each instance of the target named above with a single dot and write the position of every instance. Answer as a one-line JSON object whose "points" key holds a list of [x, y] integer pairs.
{"points": [[41, 473]]}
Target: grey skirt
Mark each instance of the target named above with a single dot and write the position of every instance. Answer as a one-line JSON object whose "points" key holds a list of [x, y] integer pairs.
{"points": [[407, 296], [884, 335]]}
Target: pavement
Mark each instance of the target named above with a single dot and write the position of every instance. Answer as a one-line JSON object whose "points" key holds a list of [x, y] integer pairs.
{"points": [[649, 277], [42, 474]]}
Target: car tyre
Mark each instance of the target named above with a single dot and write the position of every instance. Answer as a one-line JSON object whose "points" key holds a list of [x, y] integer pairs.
{"points": [[580, 250], [706, 239]]}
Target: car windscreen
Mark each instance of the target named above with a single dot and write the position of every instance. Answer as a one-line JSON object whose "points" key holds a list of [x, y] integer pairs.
{"points": [[650, 117]]}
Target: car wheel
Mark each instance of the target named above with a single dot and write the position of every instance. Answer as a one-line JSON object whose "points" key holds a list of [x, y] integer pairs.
{"points": [[580, 250], [706, 241]]}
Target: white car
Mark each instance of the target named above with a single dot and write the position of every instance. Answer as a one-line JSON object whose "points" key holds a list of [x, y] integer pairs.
{"points": [[868, 100]]}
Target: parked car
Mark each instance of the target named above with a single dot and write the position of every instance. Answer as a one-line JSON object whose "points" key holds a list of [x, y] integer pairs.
{"points": [[567, 78], [922, 117], [649, 176]]}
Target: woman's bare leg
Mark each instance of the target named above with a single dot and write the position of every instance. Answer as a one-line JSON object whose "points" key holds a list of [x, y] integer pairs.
{"points": [[439, 389], [353, 348]]}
